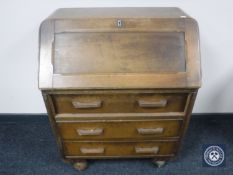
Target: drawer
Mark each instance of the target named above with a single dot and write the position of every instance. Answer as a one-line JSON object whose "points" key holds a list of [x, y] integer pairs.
{"points": [[119, 129], [120, 103], [116, 149]]}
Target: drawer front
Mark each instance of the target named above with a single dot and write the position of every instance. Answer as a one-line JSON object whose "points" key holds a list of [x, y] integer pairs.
{"points": [[120, 103], [115, 149], [118, 129]]}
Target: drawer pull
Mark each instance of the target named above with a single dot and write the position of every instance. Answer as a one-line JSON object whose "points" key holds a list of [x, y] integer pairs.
{"points": [[91, 132], [145, 131], [92, 150], [152, 104], [95, 104], [153, 150]]}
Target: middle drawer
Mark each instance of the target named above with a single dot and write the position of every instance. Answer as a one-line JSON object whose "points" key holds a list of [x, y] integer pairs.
{"points": [[119, 129]]}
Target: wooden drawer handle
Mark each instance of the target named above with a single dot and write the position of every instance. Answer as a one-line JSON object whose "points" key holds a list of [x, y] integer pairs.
{"points": [[142, 150], [145, 131], [94, 104], [152, 104], [92, 150], [90, 132]]}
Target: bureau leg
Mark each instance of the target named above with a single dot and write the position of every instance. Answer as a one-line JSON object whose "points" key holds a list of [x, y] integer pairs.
{"points": [[80, 165], [159, 163]]}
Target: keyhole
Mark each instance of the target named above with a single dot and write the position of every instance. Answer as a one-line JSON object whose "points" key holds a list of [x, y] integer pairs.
{"points": [[119, 23]]}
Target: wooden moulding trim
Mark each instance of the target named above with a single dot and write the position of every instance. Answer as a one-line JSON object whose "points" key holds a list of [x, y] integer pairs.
{"points": [[115, 140], [117, 116], [170, 140], [122, 91], [144, 30], [114, 81], [114, 120], [130, 25], [123, 156]]}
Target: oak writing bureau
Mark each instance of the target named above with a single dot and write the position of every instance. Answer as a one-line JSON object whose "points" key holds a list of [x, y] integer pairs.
{"points": [[119, 82]]}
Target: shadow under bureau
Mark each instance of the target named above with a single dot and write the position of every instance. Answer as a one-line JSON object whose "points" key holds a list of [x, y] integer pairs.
{"points": [[119, 82]]}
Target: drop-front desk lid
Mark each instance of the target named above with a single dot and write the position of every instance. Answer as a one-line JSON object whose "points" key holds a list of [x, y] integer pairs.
{"points": [[119, 48]]}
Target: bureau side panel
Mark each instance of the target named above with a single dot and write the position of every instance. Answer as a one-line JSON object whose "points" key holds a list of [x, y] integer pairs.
{"points": [[51, 114], [189, 108]]}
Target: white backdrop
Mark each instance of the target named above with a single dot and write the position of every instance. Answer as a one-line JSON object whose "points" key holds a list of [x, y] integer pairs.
{"points": [[20, 20]]}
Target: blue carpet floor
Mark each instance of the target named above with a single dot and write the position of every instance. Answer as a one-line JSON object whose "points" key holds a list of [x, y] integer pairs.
{"points": [[29, 148]]}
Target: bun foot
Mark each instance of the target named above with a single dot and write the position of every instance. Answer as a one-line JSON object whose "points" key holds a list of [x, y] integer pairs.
{"points": [[159, 163], [80, 165]]}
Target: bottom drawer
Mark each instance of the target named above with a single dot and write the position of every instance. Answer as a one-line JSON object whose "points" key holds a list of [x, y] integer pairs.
{"points": [[118, 149]]}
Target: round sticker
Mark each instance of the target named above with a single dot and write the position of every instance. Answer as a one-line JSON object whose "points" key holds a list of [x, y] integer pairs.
{"points": [[214, 156]]}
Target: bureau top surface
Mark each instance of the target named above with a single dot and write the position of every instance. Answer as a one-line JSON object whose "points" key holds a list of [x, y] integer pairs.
{"points": [[119, 48], [119, 12]]}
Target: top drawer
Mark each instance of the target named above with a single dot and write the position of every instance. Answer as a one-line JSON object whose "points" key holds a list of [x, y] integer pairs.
{"points": [[120, 103]]}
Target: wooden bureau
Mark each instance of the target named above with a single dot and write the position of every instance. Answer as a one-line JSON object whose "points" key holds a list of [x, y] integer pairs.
{"points": [[119, 82]]}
